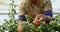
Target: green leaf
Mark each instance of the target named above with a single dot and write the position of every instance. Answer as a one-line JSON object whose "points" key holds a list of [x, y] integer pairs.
{"points": [[14, 11]]}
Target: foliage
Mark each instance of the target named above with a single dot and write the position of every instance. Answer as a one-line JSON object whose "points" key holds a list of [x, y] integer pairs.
{"points": [[53, 26], [11, 24]]}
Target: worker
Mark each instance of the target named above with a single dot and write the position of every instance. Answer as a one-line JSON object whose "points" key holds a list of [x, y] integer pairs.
{"points": [[34, 8]]}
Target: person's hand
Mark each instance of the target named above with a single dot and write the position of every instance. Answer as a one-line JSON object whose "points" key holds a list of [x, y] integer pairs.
{"points": [[40, 18], [19, 29], [37, 23]]}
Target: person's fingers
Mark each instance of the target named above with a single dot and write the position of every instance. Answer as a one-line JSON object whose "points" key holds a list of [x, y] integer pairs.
{"points": [[41, 19], [36, 23]]}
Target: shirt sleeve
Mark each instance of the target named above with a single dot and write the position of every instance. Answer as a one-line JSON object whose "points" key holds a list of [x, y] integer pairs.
{"points": [[21, 12], [48, 8]]}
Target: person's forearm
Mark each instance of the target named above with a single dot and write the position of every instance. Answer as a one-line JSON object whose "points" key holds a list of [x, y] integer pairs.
{"points": [[21, 18], [20, 22], [48, 14], [19, 28]]}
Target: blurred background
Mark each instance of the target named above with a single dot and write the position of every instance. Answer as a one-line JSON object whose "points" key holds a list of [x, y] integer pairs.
{"points": [[4, 8]]}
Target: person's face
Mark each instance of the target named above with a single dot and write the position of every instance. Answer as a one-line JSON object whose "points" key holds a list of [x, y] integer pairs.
{"points": [[33, 1]]}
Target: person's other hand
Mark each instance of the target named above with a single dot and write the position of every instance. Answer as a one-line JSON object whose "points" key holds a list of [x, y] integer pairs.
{"points": [[42, 18], [19, 28]]}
